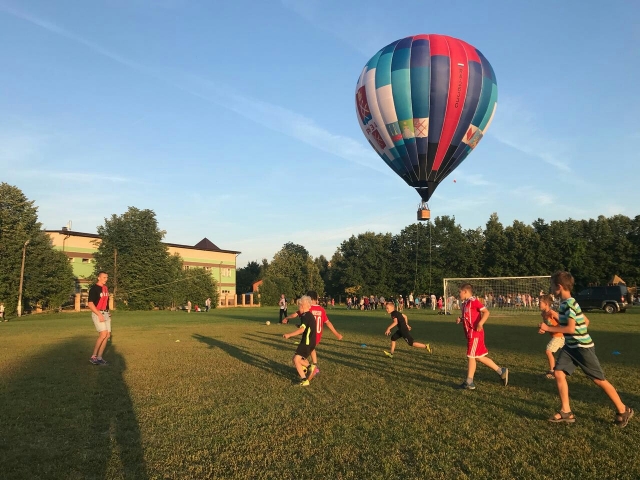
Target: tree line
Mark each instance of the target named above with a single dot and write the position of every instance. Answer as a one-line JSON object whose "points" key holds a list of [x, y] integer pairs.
{"points": [[422, 254], [144, 275]]}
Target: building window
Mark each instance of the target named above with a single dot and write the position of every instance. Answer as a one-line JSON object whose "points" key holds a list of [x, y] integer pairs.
{"points": [[226, 272], [85, 260], [185, 267], [71, 259]]}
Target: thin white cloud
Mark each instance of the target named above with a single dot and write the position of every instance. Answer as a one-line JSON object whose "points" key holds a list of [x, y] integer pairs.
{"points": [[515, 126], [88, 177], [283, 120], [274, 117], [448, 205], [317, 244], [58, 30], [474, 179], [74, 177], [615, 209], [366, 36], [531, 195], [17, 148]]}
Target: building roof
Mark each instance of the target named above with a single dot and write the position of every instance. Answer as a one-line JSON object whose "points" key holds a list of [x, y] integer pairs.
{"points": [[64, 231], [204, 244]]}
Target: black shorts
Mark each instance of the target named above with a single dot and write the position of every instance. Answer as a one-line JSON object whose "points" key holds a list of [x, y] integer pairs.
{"points": [[585, 358], [304, 350], [402, 333]]}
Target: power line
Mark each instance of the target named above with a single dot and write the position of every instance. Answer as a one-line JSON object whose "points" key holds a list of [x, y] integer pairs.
{"points": [[168, 283]]}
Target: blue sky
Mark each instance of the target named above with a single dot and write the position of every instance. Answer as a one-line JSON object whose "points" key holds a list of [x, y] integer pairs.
{"points": [[236, 120]]}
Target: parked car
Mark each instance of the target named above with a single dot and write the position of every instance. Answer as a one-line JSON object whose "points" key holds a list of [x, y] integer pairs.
{"points": [[611, 299]]}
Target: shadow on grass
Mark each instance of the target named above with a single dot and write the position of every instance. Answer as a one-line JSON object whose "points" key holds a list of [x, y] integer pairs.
{"points": [[246, 356], [65, 418], [415, 367]]}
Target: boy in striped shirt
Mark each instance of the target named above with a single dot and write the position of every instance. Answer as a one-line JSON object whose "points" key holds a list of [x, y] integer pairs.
{"points": [[578, 351]]}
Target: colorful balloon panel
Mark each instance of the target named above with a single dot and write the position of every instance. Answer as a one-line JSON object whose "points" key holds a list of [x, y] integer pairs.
{"points": [[424, 103]]}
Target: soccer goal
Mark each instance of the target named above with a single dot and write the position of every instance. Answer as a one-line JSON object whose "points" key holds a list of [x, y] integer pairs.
{"points": [[508, 294]]}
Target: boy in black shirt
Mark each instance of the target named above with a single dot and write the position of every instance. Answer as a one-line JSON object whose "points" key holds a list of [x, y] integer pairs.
{"points": [[400, 320], [307, 344]]}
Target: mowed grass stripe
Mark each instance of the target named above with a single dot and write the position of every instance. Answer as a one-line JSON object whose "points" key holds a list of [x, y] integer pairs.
{"points": [[221, 402]]}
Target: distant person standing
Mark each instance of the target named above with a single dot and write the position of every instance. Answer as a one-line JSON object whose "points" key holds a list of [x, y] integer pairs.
{"points": [[2, 312], [433, 301], [188, 306], [283, 307], [99, 306], [207, 304]]}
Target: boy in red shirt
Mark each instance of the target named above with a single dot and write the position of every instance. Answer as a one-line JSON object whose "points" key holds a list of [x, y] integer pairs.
{"points": [[474, 316]]}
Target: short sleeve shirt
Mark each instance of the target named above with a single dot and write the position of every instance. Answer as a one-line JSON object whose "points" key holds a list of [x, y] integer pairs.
{"points": [[402, 324], [320, 315], [99, 296], [309, 325], [471, 313], [569, 308]]}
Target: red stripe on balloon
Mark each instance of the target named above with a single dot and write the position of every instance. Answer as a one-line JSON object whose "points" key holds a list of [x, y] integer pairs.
{"points": [[458, 81], [438, 45], [472, 53]]}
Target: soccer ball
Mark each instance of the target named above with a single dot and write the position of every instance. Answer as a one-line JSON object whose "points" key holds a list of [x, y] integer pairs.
{"points": [[268, 322]]}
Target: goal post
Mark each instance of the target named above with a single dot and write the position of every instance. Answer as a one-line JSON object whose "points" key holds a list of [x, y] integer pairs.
{"points": [[507, 294]]}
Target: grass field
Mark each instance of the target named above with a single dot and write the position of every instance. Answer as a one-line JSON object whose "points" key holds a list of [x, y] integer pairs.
{"points": [[211, 396]]}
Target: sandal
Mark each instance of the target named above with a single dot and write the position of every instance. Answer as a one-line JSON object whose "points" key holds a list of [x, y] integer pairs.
{"points": [[565, 417], [623, 418], [550, 374]]}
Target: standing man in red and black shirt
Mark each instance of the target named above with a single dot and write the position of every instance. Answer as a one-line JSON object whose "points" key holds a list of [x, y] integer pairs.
{"points": [[99, 306]]}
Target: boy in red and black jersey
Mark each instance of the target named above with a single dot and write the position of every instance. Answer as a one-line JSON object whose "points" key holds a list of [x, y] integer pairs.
{"points": [[99, 306]]}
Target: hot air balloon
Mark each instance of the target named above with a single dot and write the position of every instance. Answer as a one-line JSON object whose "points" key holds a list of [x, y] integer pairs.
{"points": [[424, 102]]}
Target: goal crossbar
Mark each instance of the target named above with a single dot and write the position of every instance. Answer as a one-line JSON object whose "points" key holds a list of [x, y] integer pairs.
{"points": [[508, 294]]}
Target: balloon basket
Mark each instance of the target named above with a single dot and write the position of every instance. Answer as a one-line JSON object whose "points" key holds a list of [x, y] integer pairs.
{"points": [[424, 214]]}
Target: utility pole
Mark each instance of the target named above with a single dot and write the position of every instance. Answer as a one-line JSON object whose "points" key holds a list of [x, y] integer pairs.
{"points": [[115, 276], [24, 253]]}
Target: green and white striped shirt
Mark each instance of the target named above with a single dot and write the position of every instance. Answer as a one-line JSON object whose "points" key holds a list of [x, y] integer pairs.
{"points": [[569, 308]]}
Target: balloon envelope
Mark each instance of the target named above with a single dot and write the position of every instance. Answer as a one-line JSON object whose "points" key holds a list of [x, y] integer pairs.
{"points": [[424, 102]]}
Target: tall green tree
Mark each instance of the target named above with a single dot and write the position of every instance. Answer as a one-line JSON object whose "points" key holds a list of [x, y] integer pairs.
{"points": [[363, 263], [294, 264], [196, 285], [138, 263], [324, 268], [521, 249], [410, 251], [48, 277], [495, 262], [246, 276]]}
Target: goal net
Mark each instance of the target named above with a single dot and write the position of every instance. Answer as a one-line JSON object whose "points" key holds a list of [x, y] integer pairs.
{"points": [[508, 294]]}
